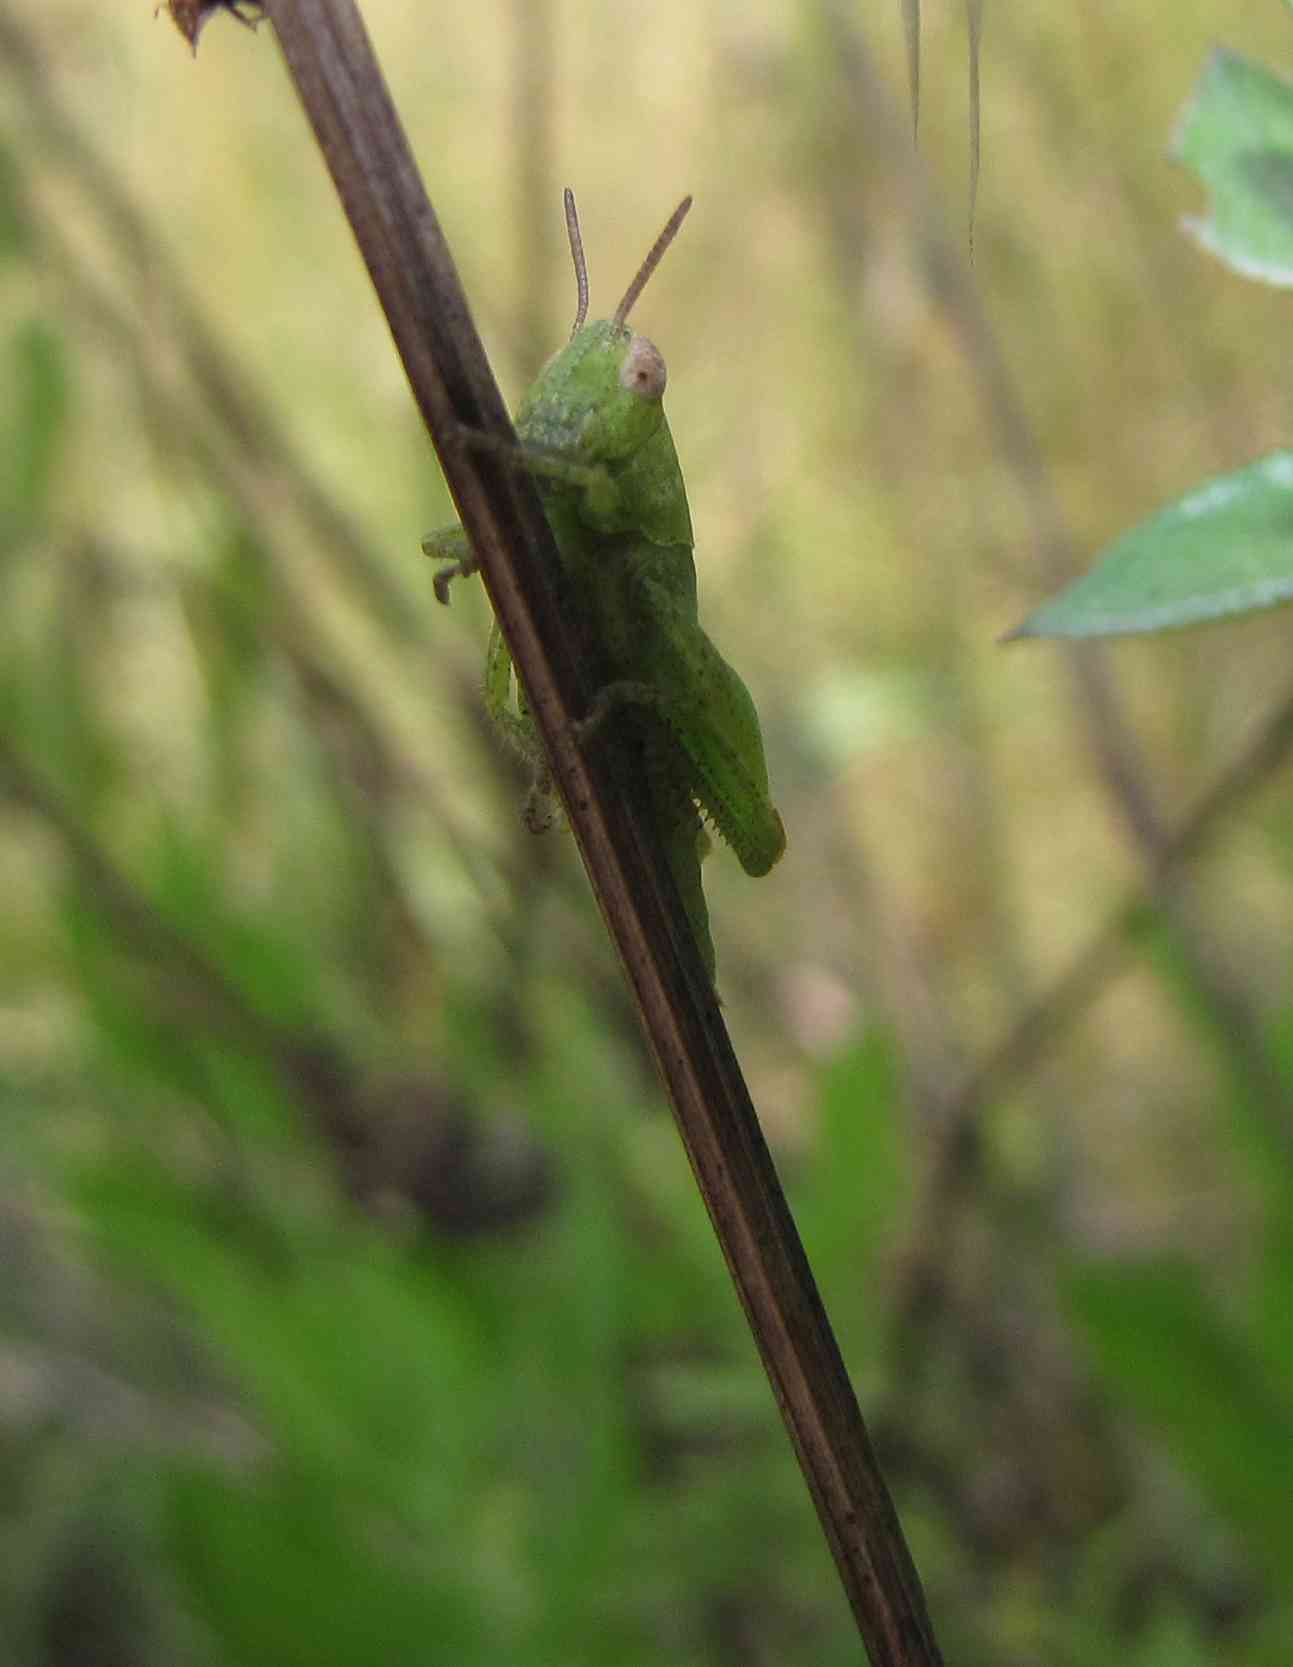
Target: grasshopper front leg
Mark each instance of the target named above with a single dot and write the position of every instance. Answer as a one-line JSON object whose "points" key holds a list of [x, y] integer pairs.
{"points": [[451, 545]]}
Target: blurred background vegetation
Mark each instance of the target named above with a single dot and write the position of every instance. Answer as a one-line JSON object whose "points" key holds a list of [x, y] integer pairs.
{"points": [[355, 1305]]}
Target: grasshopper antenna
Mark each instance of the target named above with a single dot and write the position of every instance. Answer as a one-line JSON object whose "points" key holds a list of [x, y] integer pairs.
{"points": [[653, 259], [577, 255]]}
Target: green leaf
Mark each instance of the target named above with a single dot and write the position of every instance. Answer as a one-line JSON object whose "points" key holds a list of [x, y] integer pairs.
{"points": [[276, 975], [34, 410], [1200, 1386], [288, 1574], [1275, 1291], [14, 237], [861, 1183], [1237, 135], [1226, 548]]}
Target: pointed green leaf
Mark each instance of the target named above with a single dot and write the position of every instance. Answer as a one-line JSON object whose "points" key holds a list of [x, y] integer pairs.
{"points": [[1237, 135], [862, 1183], [1200, 1386], [35, 401], [14, 238], [911, 29], [1226, 548], [290, 1573]]}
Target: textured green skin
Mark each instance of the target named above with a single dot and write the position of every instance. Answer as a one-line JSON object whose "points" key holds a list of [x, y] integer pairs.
{"points": [[600, 448]]}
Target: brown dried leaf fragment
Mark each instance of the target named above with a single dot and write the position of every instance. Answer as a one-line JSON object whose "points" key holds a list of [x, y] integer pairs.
{"points": [[192, 16]]}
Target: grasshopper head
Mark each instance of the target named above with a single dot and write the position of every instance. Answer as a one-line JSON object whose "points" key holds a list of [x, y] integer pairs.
{"points": [[601, 395], [616, 388]]}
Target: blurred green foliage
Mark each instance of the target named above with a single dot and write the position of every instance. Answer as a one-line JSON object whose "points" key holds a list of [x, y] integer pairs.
{"points": [[1227, 547], [357, 1305]]}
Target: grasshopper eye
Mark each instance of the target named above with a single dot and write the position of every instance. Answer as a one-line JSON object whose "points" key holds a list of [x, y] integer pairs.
{"points": [[643, 372]]}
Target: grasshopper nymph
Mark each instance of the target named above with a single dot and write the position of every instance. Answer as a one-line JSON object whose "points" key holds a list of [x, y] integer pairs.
{"points": [[593, 432]]}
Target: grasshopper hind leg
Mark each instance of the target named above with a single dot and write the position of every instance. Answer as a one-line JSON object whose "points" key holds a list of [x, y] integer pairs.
{"points": [[682, 834]]}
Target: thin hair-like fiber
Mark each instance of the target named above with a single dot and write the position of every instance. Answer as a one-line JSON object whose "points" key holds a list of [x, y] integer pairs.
{"points": [[653, 259], [577, 255]]}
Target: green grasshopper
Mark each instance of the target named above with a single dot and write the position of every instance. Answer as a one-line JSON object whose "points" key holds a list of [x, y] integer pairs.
{"points": [[592, 431]]}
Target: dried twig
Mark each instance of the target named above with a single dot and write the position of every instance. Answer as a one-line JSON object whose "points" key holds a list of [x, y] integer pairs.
{"points": [[345, 98]]}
